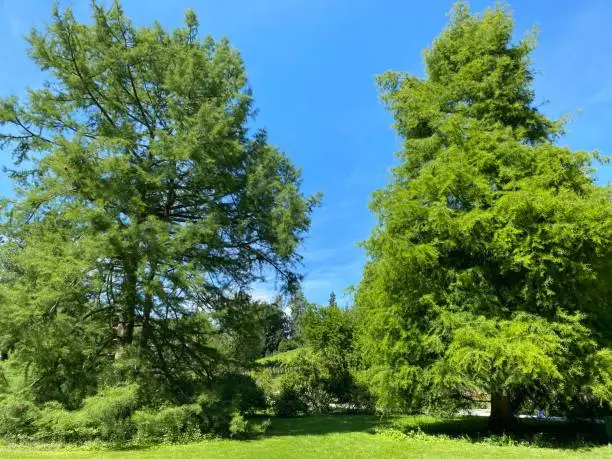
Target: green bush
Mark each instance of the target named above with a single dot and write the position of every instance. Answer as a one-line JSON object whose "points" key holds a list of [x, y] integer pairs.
{"points": [[110, 411], [308, 381], [287, 344], [55, 423], [216, 413], [17, 417], [302, 388], [220, 414], [360, 398], [240, 428], [242, 392], [104, 416], [116, 414], [169, 424], [289, 402]]}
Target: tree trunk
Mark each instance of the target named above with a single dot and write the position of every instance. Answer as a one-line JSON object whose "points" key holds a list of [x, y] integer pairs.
{"points": [[502, 415], [125, 331], [125, 327], [145, 333]]}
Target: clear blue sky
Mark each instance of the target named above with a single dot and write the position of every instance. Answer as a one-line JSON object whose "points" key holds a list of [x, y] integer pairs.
{"points": [[312, 64]]}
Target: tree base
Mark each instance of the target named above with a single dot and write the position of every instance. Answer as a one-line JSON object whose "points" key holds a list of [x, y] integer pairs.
{"points": [[502, 418]]}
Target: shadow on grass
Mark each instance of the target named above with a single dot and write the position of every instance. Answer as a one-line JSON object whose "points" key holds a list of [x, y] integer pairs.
{"points": [[536, 432], [540, 433], [324, 424]]}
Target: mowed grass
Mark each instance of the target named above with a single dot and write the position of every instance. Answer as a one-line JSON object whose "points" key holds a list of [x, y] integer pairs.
{"points": [[349, 437]]}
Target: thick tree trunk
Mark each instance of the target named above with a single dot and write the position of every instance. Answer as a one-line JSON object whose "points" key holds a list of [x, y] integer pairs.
{"points": [[502, 414], [125, 331]]}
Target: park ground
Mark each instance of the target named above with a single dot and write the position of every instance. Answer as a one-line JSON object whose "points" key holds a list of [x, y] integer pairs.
{"points": [[349, 437]]}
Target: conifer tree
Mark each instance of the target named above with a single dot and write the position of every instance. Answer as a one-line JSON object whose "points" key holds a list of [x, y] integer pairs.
{"points": [[489, 270], [143, 206]]}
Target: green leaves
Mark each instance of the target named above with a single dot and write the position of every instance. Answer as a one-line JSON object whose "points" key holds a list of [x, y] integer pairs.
{"points": [[147, 206], [489, 269], [510, 355]]}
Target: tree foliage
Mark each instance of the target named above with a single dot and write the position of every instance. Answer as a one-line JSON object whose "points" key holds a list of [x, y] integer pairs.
{"points": [[489, 270], [276, 327], [144, 206]]}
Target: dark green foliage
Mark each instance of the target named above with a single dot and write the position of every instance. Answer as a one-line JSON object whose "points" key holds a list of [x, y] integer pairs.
{"points": [[289, 402], [288, 344], [116, 414], [319, 376], [228, 396], [302, 388], [297, 305], [276, 328], [536, 432], [170, 424], [294, 382], [241, 429], [328, 329], [17, 417], [329, 332], [105, 416], [220, 408], [241, 392], [240, 333], [489, 271]]}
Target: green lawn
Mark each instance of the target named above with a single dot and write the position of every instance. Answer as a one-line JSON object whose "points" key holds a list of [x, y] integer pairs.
{"points": [[345, 437]]}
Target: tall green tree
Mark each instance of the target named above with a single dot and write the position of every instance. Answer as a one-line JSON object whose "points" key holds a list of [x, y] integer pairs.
{"points": [[332, 300], [489, 270], [327, 358], [297, 306], [144, 204], [276, 326]]}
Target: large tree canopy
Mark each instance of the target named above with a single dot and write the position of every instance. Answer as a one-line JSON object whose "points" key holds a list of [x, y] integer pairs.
{"points": [[490, 268], [143, 203]]}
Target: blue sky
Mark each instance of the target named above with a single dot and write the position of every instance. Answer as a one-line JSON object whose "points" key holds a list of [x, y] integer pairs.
{"points": [[311, 65]]}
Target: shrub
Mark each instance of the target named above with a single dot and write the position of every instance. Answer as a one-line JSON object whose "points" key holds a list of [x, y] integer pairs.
{"points": [[104, 416], [308, 381], [169, 424], [287, 344], [116, 414], [289, 402], [58, 424], [17, 417], [240, 428], [110, 410], [216, 413], [242, 392], [302, 388], [360, 398]]}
